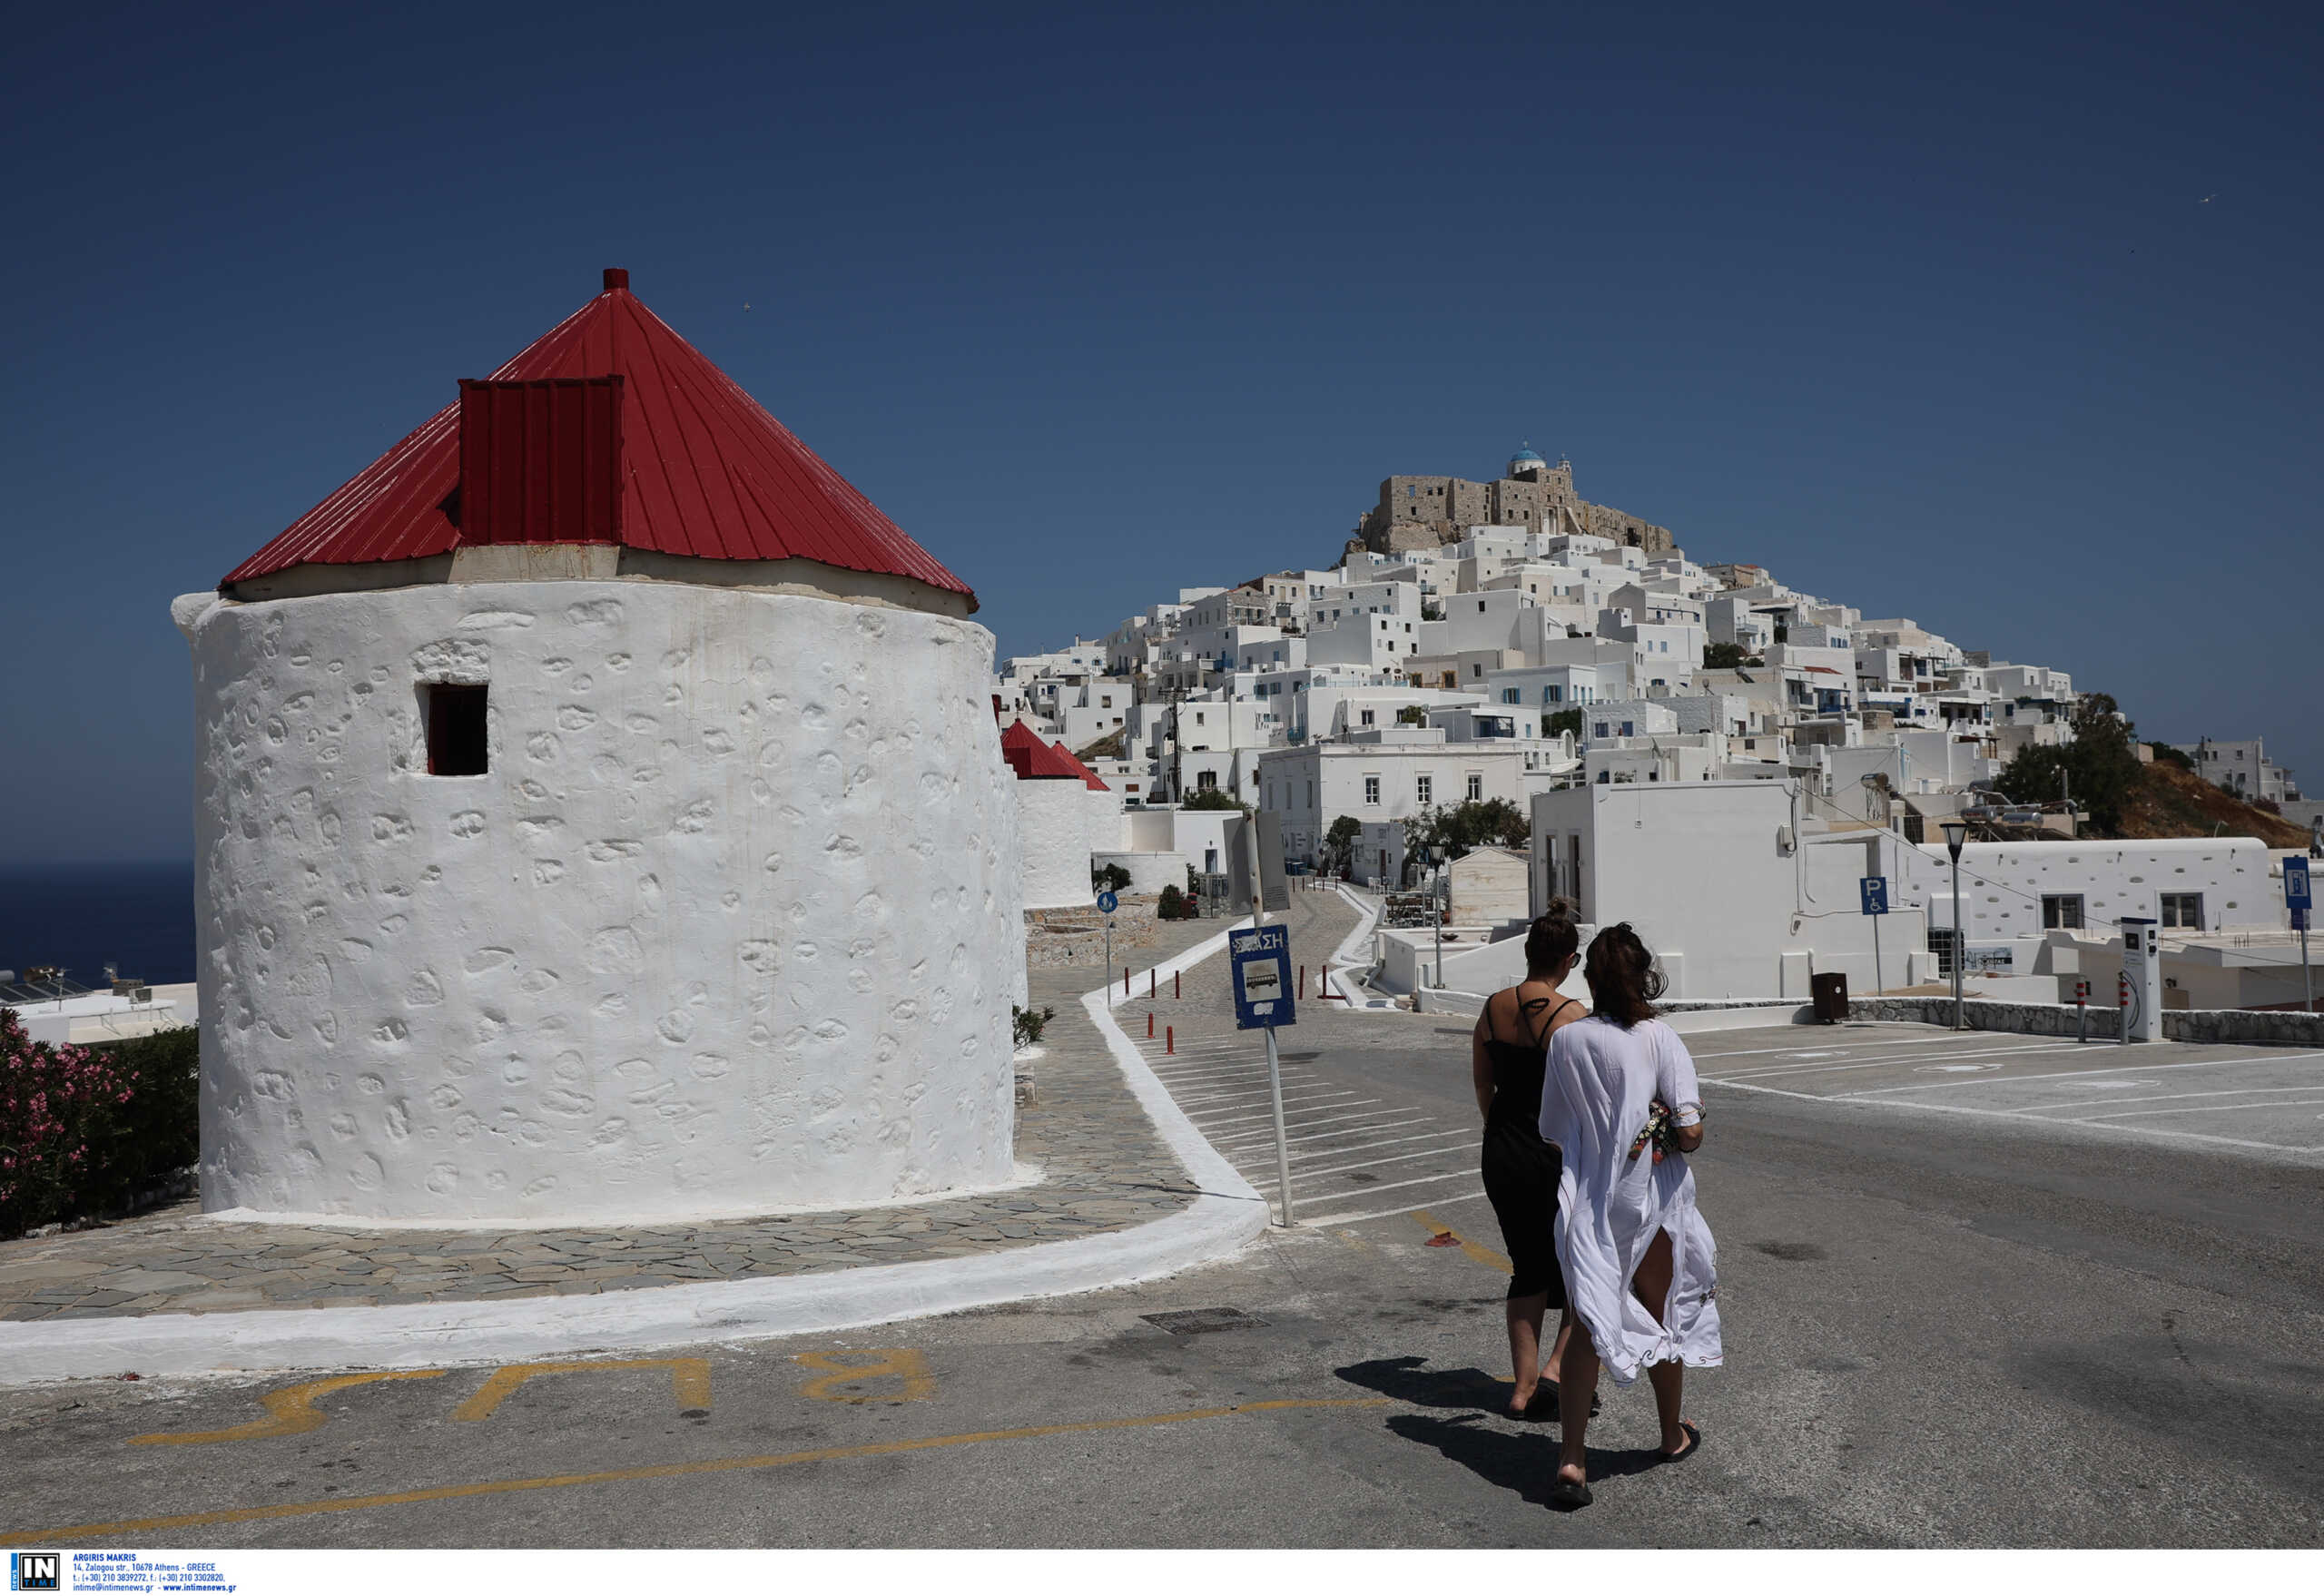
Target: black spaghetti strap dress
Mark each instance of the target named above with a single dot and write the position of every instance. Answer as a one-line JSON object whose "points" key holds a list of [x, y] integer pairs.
{"points": [[1521, 1169]]}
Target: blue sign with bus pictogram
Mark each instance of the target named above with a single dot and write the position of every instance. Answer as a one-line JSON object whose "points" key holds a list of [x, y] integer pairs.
{"points": [[1262, 976]]}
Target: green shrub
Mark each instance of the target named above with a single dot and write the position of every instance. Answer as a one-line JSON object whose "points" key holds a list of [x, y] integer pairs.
{"points": [[91, 1130], [1027, 1023], [1172, 903], [1109, 878]]}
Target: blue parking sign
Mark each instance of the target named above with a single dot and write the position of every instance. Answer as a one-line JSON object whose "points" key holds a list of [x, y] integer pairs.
{"points": [[1874, 889], [2295, 884], [1262, 976]]}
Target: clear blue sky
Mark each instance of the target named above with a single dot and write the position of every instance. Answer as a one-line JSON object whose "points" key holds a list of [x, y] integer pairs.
{"points": [[2006, 320]]}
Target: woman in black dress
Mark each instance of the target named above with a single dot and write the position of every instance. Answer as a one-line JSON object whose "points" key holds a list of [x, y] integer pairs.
{"points": [[1520, 1170]]}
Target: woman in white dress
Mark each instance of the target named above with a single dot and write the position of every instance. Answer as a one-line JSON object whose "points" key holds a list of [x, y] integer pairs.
{"points": [[1620, 1099]]}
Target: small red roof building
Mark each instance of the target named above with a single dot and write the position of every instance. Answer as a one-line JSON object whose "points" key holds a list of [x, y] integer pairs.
{"points": [[662, 450], [1033, 759], [1088, 776]]}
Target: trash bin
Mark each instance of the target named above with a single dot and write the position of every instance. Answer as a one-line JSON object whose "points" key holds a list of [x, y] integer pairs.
{"points": [[1830, 996]]}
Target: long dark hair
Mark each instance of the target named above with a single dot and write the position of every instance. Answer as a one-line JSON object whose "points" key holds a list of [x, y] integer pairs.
{"points": [[1623, 979], [1552, 939]]}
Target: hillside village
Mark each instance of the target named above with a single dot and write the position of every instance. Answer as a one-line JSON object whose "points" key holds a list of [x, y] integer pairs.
{"points": [[1652, 737]]}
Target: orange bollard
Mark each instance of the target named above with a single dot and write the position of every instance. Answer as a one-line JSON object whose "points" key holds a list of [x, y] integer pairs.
{"points": [[1151, 979], [1125, 982], [1170, 1039], [1150, 1025], [1174, 984], [1303, 983]]}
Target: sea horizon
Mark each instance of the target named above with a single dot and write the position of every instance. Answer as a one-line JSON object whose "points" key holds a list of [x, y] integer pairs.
{"points": [[84, 914]]}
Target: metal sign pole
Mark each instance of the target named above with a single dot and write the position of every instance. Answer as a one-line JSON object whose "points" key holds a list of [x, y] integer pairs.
{"points": [[1282, 1148], [2307, 975], [1262, 984], [1879, 980]]}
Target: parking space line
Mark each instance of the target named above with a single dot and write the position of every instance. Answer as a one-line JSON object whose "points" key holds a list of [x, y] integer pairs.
{"points": [[720, 1465], [1894, 1060], [1393, 1115], [1246, 1119], [1455, 1138], [1374, 1163], [1289, 1085], [2207, 1108], [1324, 1219], [2259, 1092], [2016, 1115], [1268, 1184], [1870, 1042], [1932, 1086]]}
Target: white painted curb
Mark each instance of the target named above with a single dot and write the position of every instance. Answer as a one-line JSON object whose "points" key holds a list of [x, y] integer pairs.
{"points": [[1227, 1215], [1346, 954]]}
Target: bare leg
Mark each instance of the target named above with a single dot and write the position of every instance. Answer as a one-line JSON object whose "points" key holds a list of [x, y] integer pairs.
{"points": [[1577, 1383], [1652, 1286], [1525, 1316], [1565, 1337]]}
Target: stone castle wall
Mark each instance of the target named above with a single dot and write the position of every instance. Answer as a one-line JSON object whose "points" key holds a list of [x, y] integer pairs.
{"points": [[1419, 513]]}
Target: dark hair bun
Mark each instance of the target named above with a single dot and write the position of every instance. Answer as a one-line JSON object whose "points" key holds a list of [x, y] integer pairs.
{"points": [[1552, 938]]}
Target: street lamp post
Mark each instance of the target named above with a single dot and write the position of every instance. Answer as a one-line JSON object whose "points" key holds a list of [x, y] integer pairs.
{"points": [[1955, 833]]}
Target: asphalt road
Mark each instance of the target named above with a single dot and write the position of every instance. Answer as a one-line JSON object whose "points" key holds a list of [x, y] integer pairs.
{"points": [[1942, 1330]]}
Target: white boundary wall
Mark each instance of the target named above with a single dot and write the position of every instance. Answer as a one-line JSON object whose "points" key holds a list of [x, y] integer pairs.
{"points": [[1053, 820], [731, 926]]}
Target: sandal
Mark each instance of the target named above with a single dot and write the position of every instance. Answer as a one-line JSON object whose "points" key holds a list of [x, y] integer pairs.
{"points": [[1544, 1405], [1694, 1443], [1569, 1495]]}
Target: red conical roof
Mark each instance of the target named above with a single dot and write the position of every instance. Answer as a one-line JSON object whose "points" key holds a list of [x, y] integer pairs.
{"points": [[705, 471]]}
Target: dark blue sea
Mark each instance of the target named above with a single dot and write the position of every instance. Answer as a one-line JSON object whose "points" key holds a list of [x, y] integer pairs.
{"points": [[84, 917]]}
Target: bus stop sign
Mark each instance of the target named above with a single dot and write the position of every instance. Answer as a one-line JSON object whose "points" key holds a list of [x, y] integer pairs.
{"points": [[1262, 962]]}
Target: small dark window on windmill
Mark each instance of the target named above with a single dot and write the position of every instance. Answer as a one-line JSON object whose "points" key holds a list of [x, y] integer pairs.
{"points": [[455, 717]]}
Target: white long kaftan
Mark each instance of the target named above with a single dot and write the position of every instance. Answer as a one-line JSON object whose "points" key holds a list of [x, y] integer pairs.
{"points": [[1600, 1080]]}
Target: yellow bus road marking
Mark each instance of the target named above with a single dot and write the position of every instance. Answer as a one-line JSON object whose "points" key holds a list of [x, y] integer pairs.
{"points": [[1482, 1254], [899, 1363], [725, 1465], [290, 1411], [689, 1382]]}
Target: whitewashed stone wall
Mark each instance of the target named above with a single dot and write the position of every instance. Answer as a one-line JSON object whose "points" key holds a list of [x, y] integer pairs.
{"points": [[731, 926], [1053, 821], [1149, 873]]}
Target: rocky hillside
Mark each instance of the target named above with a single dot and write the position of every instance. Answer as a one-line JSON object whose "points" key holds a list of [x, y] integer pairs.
{"points": [[2165, 801]]}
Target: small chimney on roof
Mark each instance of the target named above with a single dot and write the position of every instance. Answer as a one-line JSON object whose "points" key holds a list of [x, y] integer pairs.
{"points": [[540, 461], [616, 276]]}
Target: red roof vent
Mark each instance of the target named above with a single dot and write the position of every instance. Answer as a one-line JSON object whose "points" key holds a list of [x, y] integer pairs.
{"points": [[540, 462], [700, 470]]}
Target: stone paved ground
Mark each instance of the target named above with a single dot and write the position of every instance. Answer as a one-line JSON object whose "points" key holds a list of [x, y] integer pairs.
{"points": [[1103, 1167]]}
